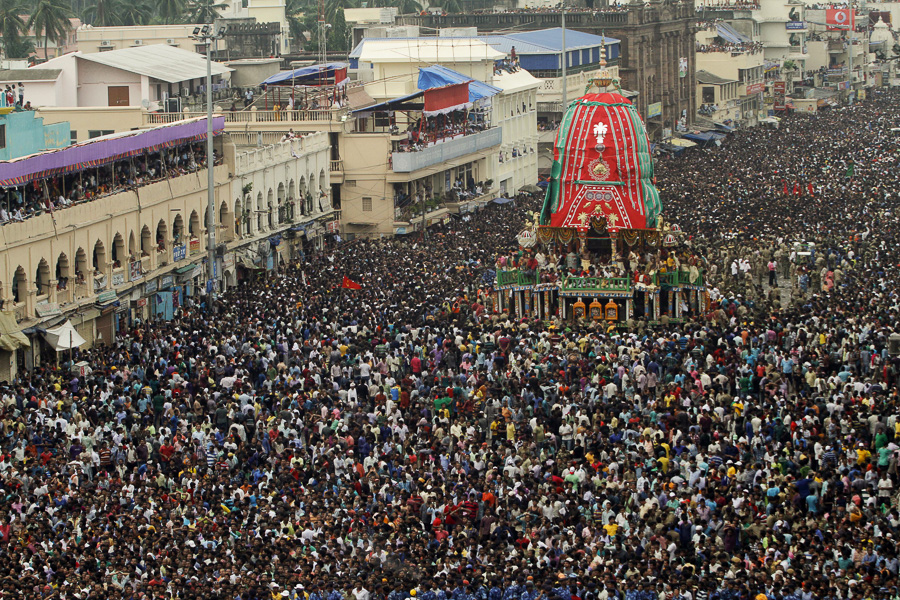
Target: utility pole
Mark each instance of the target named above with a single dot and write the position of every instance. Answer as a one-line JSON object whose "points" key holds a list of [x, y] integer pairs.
{"points": [[206, 35], [565, 83]]}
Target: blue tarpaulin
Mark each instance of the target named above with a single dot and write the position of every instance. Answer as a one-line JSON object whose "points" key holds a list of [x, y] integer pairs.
{"points": [[438, 76], [306, 75], [703, 137], [502, 200]]}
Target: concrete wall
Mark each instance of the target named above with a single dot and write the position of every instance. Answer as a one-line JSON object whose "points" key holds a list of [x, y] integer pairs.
{"points": [[516, 114], [365, 164], [251, 72], [95, 80], [89, 39], [26, 134]]}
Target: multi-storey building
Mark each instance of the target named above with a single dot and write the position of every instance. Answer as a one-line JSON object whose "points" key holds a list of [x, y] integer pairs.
{"points": [[116, 229]]}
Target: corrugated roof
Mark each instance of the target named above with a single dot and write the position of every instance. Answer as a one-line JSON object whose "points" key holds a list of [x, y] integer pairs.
{"points": [[513, 82], [159, 61], [30, 74], [551, 39], [711, 79]]}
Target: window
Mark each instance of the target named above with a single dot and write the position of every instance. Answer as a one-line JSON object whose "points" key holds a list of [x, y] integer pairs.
{"points": [[95, 133], [709, 95], [73, 136], [367, 204], [3, 136]]}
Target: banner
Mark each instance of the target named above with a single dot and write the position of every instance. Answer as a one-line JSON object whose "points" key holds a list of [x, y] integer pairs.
{"points": [[779, 88], [840, 19], [682, 67], [654, 110], [756, 88]]}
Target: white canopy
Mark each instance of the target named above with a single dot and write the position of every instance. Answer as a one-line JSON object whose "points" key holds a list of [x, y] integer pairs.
{"points": [[63, 337]]}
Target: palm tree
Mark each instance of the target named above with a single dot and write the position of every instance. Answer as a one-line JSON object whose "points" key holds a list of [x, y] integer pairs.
{"points": [[408, 7], [135, 12], [50, 18], [204, 11], [295, 10], [103, 13], [333, 6], [170, 11], [12, 25]]}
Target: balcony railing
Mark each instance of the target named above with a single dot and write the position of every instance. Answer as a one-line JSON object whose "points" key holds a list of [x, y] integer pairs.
{"points": [[677, 278], [337, 166], [596, 284], [407, 162], [254, 116]]}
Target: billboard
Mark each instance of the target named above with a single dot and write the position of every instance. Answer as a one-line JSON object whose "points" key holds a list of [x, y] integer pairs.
{"points": [[840, 19], [756, 88], [779, 88], [654, 110]]}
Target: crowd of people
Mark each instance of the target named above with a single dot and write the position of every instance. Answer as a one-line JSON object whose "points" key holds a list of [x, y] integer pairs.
{"points": [[57, 192], [313, 442]]}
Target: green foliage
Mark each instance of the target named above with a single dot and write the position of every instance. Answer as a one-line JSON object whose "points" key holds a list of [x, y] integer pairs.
{"points": [[11, 27], [50, 19], [203, 11]]}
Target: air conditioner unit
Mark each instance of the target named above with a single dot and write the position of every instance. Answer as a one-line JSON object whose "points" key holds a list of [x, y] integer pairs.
{"points": [[185, 92], [138, 42], [171, 41], [105, 43]]}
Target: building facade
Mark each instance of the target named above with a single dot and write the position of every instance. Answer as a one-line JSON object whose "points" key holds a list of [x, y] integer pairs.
{"points": [[657, 49], [139, 250]]}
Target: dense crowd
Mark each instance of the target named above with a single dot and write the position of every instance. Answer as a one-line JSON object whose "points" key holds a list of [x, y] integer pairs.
{"points": [[311, 442]]}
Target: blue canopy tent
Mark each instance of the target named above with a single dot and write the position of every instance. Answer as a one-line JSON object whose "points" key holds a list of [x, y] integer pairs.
{"points": [[330, 73], [703, 137], [438, 76]]}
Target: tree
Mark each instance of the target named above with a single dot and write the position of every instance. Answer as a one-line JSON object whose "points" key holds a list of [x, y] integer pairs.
{"points": [[295, 11], [134, 12], [333, 6], [170, 11], [408, 7], [204, 11], [103, 13], [11, 26], [50, 18], [338, 34]]}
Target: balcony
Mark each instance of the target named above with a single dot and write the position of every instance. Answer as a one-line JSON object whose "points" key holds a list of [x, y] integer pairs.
{"points": [[595, 285], [337, 171], [516, 277], [287, 117], [407, 162]]}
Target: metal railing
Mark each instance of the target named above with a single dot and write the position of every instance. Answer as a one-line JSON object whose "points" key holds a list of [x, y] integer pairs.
{"points": [[253, 116], [676, 278], [517, 277]]}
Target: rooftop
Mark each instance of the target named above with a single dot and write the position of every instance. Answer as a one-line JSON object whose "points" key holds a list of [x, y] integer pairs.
{"points": [[30, 74], [159, 61], [425, 50], [711, 79]]}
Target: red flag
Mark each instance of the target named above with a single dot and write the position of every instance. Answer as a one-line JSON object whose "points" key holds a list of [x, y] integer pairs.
{"points": [[809, 188], [796, 189], [349, 284], [785, 187]]}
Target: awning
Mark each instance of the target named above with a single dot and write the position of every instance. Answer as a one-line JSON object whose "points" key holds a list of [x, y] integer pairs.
{"points": [[730, 34], [401, 103], [443, 100], [502, 200], [63, 337], [10, 336], [311, 75], [185, 269], [104, 150], [438, 76]]}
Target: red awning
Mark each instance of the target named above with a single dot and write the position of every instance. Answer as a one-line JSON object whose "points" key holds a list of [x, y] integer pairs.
{"points": [[440, 101]]}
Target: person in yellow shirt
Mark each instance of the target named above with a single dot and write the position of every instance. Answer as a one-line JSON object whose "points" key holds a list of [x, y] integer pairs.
{"points": [[738, 407], [669, 399], [663, 463], [862, 455], [510, 431], [612, 528]]}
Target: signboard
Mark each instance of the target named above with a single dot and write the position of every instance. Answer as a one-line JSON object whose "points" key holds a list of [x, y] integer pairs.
{"points": [[195, 246], [135, 270], [843, 85], [179, 252], [228, 261], [150, 287], [682, 67], [166, 281], [47, 309], [333, 226], [860, 94], [141, 302], [779, 88], [756, 88], [118, 278], [107, 296], [840, 19], [654, 110], [793, 25]]}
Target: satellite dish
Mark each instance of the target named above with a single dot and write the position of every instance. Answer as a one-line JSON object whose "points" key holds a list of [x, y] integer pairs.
{"points": [[145, 103]]}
